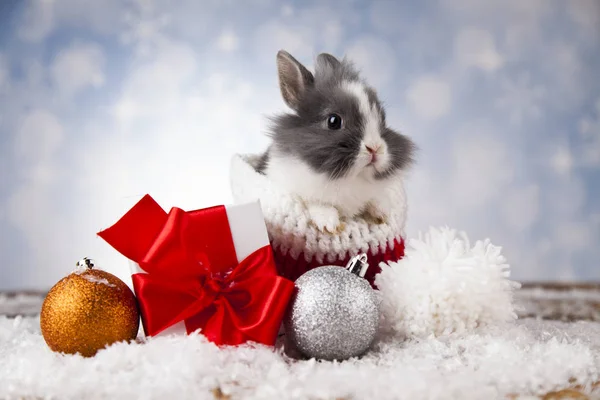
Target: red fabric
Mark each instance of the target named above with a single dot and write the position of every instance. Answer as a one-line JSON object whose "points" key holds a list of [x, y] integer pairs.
{"points": [[194, 275], [292, 268]]}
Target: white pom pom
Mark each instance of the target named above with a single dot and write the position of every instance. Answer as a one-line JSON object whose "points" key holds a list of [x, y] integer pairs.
{"points": [[443, 285]]}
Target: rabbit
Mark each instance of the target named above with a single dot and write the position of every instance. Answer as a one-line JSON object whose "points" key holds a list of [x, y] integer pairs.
{"points": [[334, 151]]}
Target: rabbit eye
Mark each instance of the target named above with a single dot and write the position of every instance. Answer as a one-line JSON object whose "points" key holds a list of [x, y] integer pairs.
{"points": [[334, 122]]}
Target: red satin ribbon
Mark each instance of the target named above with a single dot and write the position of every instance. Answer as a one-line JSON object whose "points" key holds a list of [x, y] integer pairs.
{"points": [[194, 275]]}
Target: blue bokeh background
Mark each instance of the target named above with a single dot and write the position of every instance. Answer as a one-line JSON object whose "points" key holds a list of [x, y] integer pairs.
{"points": [[102, 102]]}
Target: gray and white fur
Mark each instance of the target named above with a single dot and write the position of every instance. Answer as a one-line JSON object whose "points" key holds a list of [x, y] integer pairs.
{"points": [[335, 150]]}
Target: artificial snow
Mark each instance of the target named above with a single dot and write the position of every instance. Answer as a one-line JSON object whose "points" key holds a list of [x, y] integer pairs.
{"points": [[526, 357], [95, 279]]}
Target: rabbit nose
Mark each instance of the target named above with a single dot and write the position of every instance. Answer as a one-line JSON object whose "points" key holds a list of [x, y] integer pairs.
{"points": [[373, 152], [372, 149]]}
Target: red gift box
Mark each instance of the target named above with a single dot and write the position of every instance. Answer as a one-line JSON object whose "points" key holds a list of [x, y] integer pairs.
{"points": [[211, 270]]}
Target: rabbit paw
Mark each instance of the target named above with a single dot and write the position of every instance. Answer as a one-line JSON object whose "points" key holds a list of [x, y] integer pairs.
{"points": [[373, 214], [326, 218]]}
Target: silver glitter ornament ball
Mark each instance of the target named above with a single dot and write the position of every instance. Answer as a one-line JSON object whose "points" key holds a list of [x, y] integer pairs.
{"points": [[334, 314]]}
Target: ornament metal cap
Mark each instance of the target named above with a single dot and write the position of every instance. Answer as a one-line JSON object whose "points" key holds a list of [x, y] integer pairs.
{"points": [[85, 262], [358, 265]]}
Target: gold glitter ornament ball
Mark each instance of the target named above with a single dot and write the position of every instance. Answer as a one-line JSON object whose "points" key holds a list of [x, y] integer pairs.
{"points": [[88, 310]]}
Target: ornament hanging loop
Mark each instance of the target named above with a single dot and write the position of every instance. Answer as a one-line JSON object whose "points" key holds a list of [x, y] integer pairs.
{"points": [[358, 265], [85, 263]]}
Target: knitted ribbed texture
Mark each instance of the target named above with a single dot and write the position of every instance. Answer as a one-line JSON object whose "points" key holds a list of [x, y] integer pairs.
{"points": [[300, 246]]}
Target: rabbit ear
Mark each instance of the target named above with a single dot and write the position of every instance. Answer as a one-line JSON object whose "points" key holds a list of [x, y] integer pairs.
{"points": [[327, 60], [294, 78]]}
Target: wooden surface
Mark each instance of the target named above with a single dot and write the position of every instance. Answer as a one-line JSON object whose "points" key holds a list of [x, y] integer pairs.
{"points": [[546, 300], [559, 301]]}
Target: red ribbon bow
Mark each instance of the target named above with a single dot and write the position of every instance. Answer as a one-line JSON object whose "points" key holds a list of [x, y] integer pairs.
{"points": [[193, 275]]}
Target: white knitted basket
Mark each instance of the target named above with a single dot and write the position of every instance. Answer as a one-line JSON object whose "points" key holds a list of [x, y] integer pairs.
{"points": [[299, 245]]}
